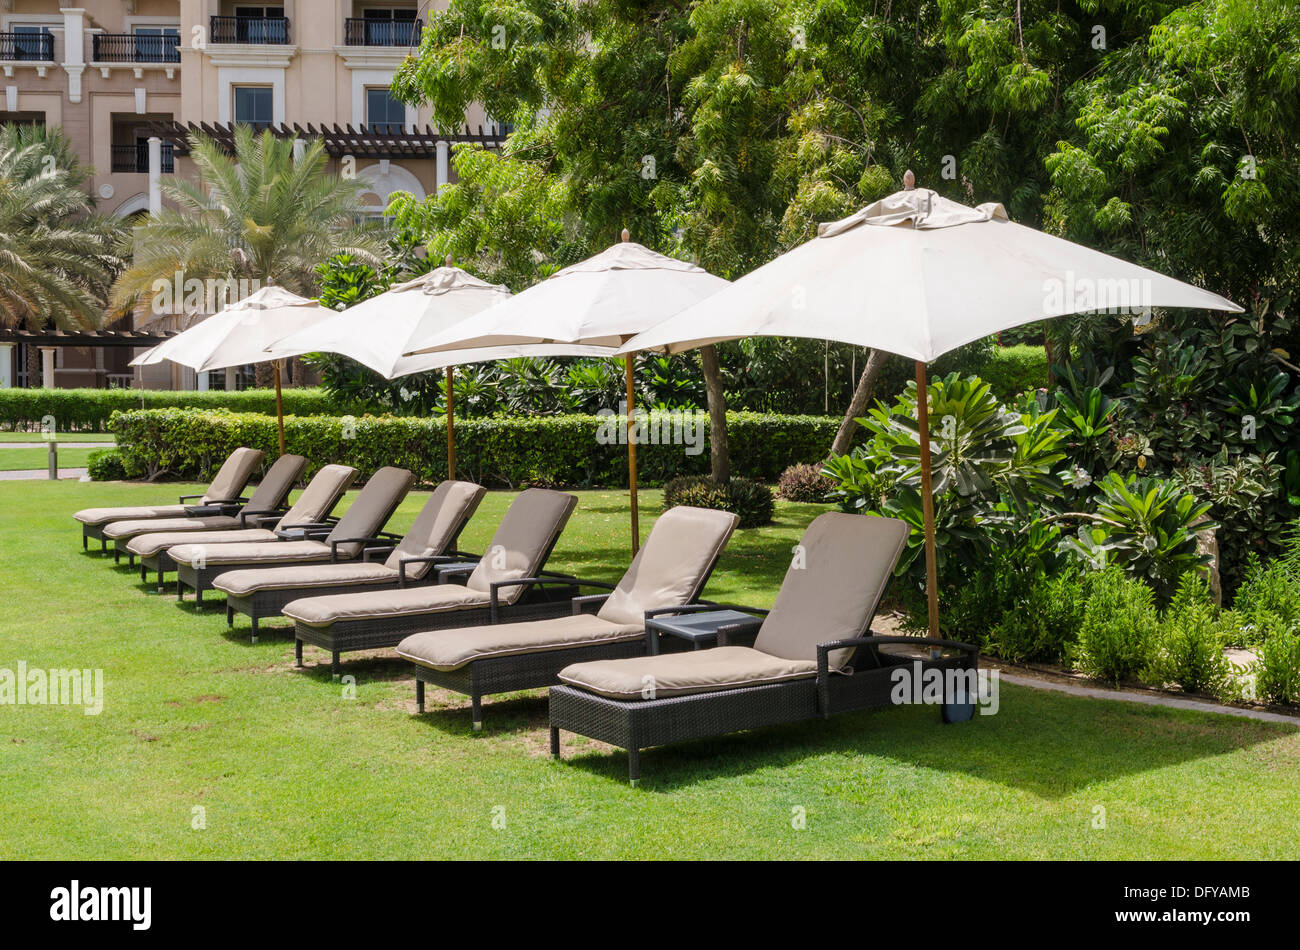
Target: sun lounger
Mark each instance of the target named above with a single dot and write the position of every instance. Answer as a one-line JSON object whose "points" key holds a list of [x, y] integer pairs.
{"points": [[311, 510], [225, 489], [262, 592], [507, 582], [668, 573], [199, 563], [812, 657], [267, 502]]}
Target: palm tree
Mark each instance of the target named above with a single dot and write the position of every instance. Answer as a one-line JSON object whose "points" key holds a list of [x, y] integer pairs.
{"points": [[57, 256], [254, 216]]}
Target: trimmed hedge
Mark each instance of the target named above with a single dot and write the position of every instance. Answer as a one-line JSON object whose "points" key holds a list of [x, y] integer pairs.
{"points": [[89, 410], [1013, 370], [561, 451]]}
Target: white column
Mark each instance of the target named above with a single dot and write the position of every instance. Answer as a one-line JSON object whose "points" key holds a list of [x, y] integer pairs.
{"points": [[47, 366], [443, 150], [6, 365], [155, 174], [204, 381], [299, 150], [232, 373], [74, 49]]}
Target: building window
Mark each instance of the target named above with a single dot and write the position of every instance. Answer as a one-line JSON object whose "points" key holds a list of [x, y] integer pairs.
{"points": [[384, 113], [33, 43], [387, 26], [260, 24], [254, 105], [157, 44]]}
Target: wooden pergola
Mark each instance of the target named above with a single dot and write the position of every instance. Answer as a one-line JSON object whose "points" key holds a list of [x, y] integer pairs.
{"points": [[339, 140]]}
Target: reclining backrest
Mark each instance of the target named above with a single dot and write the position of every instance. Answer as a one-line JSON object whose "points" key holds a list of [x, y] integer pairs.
{"points": [[320, 496], [373, 506], [438, 525], [233, 475], [830, 592], [523, 540], [274, 487], [672, 566]]}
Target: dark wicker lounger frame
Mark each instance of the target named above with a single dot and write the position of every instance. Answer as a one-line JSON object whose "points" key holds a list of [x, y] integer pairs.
{"points": [[634, 725], [95, 532], [548, 595]]}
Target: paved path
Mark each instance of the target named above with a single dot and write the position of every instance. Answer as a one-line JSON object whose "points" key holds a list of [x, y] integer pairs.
{"points": [[1148, 699], [30, 474], [62, 445]]}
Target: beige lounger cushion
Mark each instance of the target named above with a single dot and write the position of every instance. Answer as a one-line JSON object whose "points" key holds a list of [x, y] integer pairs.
{"points": [[234, 474], [678, 674], [525, 536], [98, 516], [147, 545], [371, 508], [263, 552], [120, 530], [452, 649], [274, 487], [320, 496], [241, 583], [672, 565], [437, 525], [332, 608], [833, 593]]}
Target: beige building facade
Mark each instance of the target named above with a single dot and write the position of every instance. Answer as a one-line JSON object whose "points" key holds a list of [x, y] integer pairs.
{"points": [[116, 74]]}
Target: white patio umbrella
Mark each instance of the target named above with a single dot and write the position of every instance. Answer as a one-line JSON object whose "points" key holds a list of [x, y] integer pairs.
{"points": [[919, 275], [377, 332], [602, 301], [239, 334]]}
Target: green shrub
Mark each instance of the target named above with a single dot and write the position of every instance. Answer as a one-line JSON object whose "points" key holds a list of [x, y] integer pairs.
{"points": [[507, 452], [1011, 370], [1042, 622], [105, 465], [1119, 627], [1267, 603], [89, 410], [1277, 672], [1187, 650], [802, 482], [749, 499]]}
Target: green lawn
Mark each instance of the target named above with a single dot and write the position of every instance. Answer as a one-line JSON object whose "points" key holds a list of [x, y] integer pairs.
{"points": [[63, 437], [283, 765], [13, 460]]}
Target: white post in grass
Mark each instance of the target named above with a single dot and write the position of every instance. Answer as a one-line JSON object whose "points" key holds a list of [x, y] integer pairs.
{"points": [[47, 366]]}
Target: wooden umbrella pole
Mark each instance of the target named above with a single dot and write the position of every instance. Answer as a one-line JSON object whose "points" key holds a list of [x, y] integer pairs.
{"points": [[927, 498], [277, 367], [631, 449], [451, 425]]}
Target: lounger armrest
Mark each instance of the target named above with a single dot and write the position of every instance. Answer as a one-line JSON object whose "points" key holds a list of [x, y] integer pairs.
{"points": [[261, 515], [558, 579], [580, 604], [335, 542], [428, 559], [185, 498], [824, 653], [369, 554]]}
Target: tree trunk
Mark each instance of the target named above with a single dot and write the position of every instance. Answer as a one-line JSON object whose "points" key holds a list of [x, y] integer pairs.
{"points": [[858, 404], [263, 377], [33, 366], [719, 459]]}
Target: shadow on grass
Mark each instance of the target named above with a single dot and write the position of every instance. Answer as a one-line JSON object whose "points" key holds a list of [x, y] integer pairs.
{"points": [[1046, 744]]}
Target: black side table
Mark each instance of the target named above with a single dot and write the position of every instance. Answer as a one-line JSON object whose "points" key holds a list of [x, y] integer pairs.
{"points": [[700, 629]]}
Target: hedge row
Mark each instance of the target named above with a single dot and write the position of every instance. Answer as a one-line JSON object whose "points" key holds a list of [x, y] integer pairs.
{"points": [[560, 451], [1012, 370], [88, 410]]}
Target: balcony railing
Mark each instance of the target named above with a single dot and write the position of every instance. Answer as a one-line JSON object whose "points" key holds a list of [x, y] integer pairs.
{"points": [[136, 48], [135, 158], [30, 47], [250, 29], [361, 32]]}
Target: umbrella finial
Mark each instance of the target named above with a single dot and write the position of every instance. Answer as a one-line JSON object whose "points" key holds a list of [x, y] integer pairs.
{"points": [[627, 235], [909, 180], [447, 261]]}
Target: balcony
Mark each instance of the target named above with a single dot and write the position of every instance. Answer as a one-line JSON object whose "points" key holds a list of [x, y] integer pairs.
{"points": [[135, 48], [362, 32], [135, 158], [255, 30], [27, 47]]}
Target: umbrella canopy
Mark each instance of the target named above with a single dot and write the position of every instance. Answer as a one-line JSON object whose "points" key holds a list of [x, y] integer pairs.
{"points": [[919, 275], [378, 331], [602, 301], [240, 333]]}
